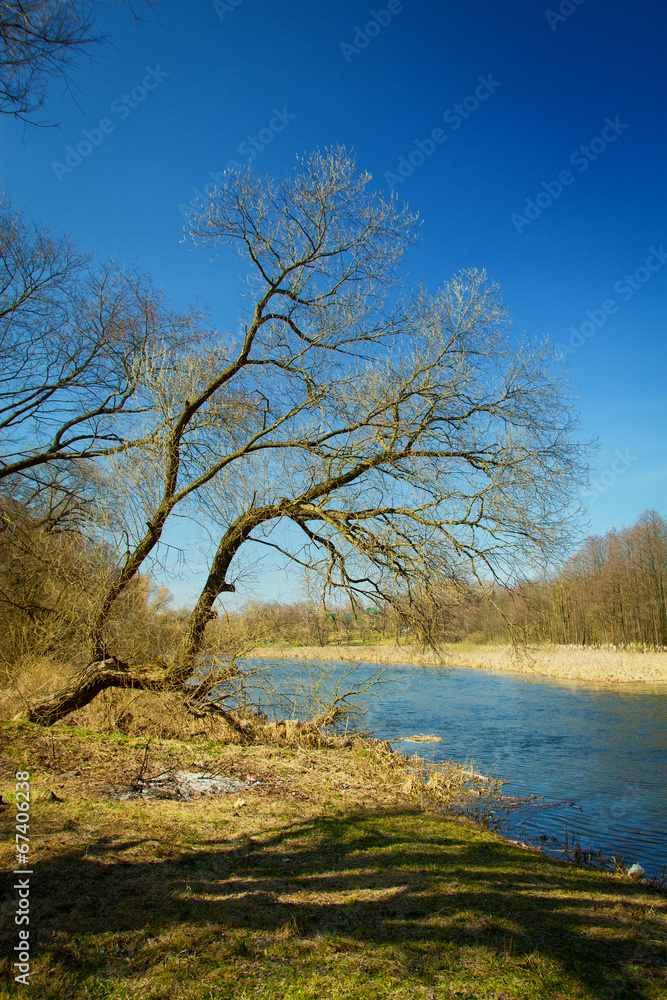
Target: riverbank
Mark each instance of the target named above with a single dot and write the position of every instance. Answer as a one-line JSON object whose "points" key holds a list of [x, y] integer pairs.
{"points": [[594, 666], [333, 874]]}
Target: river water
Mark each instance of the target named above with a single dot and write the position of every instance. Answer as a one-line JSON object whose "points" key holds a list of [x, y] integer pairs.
{"points": [[603, 750]]}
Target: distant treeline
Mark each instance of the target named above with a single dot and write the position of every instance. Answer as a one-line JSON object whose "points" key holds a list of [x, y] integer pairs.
{"points": [[613, 591]]}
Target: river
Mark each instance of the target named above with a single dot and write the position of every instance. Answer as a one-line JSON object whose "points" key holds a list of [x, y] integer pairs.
{"points": [[603, 750]]}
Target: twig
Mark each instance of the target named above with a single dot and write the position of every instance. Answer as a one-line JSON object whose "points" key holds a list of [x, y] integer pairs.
{"points": [[140, 777]]}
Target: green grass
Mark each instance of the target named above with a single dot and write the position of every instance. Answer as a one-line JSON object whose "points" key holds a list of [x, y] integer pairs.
{"points": [[288, 897]]}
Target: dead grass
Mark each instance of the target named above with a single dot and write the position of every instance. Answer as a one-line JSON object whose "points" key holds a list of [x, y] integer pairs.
{"points": [[32, 677], [607, 665], [334, 879], [386, 653]]}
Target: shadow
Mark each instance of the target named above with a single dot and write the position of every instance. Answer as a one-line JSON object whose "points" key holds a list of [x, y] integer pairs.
{"points": [[394, 875]]}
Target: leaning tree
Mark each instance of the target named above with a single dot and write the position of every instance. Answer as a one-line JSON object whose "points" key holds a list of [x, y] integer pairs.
{"points": [[392, 439]]}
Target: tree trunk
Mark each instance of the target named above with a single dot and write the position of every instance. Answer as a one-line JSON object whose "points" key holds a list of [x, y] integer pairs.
{"points": [[91, 681], [215, 585], [108, 672]]}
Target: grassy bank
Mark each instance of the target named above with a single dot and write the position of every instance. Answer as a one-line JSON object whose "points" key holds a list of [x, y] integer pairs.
{"points": [[332, 877], [596, 666]]}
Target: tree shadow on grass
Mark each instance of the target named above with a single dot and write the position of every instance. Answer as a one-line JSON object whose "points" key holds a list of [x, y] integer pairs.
{"points": [[395, 876]]}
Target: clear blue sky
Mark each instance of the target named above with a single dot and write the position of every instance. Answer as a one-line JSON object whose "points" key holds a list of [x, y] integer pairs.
{"points": [[531, 139]]}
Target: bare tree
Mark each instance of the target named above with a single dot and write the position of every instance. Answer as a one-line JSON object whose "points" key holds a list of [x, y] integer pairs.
{"points": [[76, 343], [40, 41], [404, 438]]}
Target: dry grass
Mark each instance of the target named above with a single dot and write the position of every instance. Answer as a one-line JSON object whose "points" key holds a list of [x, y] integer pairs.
{"points": [[386, 653], [130, 712], [607, 665], [602, 666], [32, 677]]}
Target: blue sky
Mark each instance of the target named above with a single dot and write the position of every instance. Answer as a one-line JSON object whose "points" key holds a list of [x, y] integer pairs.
{"points": [[529, 137]]}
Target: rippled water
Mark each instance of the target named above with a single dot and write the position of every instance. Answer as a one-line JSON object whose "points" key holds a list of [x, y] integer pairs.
{"points": [[603, 749]]}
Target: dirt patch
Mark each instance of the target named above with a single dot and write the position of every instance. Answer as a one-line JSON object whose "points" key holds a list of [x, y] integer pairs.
{"points": [[82, 766], [180, 785]]}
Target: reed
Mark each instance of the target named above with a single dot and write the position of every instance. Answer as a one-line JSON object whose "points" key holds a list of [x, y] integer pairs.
{"points": [[594, 665]]}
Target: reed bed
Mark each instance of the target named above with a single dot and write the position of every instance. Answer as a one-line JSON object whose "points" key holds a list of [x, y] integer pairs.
{"points": [[593, 665]]}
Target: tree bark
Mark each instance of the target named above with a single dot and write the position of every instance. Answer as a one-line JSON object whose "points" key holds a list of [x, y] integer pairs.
{"points": [[91, 681], [215, 585]]}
